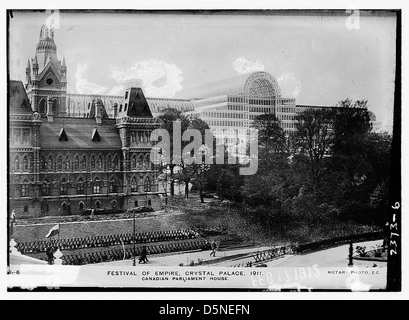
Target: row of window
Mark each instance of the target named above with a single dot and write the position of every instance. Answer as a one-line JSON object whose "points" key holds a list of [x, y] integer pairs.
{"points": [[286, 109], [287, 125], [261, 109], [287, 116], [236, 99], [210, 101], [229, 131], [99, 163], [229, 115], [66, 207], [261, 102], [81, 186], [286, 102], [140, 137], [226, 123], [20, 136], [22, 164], [236, 108], [228, 141]]}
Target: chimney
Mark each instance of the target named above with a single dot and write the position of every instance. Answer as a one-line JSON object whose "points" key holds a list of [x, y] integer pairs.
{"points": [[50, 115], [98, 111], [115, 107]]}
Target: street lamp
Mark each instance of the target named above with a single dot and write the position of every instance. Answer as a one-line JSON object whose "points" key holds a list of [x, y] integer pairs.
{"points": [[134, 257], [351, 251]]}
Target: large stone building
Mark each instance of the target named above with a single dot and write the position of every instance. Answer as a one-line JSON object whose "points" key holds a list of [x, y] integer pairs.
{"points": [[62, 164]]}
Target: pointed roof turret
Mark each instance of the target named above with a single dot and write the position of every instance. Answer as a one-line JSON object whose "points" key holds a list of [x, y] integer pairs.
{"points": [[63, 62], [46, 32], [35, 60], [46, 42], [28, 64], [134, 104]]}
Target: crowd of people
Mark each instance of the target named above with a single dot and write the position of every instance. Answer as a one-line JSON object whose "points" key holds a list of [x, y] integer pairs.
{"points": [[107, 240], [126, 254]]}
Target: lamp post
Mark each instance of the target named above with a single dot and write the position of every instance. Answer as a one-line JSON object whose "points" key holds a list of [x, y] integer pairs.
{"points": [[351, 251], [134, 258]]}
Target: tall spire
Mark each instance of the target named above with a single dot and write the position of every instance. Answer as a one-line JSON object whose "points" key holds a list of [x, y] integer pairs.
{"points": [[46, 32], [28, 64], [46, 42]]}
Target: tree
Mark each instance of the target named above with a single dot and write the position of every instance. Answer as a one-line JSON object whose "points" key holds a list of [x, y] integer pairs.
{"points": [[168, 118], [314, 140], [196, 171], [351, 126], [271, 136], [268, 187]]}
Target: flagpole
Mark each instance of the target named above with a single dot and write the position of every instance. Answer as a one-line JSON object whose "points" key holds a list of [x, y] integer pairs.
{"points": [[59, 230]]}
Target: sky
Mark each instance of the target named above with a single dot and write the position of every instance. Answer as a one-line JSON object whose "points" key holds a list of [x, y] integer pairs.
{"points": [[317, 59]]}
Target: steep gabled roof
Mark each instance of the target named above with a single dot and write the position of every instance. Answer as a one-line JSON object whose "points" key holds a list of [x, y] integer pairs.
{"points": [[54, 67], [134, 105], [18, 99]]}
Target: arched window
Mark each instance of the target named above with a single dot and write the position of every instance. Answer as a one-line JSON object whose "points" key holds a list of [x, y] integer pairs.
{"points": [[136, 203], [55, 107], [134, 185], [149, 202], [146, 161], [116, 163], [47, 207], [114, 203], [46, 188], [43, 163], [97, 204], [64, 208], [97, 186], [140, 162], [42, 106], [25, 163], [25, 209], [50, 163], [83, 163], [99, 163], [147, 184], [59, 163], [109, 162], [17, 163], [81, 206], [80, 186], [113, 188], [26, 136], [76, 163], [92, 162], [25, 189], [134, 162], [63, 186], [67, 164]]}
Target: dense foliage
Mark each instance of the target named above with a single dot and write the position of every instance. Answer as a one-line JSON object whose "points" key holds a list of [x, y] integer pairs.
{"points": [[332, 169]]}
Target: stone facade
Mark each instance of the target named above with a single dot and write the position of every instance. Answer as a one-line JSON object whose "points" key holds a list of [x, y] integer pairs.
{"points": [[60, 164], [67, 165]]}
